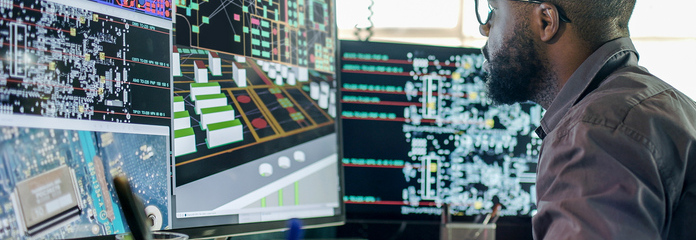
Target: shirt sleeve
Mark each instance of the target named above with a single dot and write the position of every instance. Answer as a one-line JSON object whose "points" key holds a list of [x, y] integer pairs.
{"points": [[596, 182]]}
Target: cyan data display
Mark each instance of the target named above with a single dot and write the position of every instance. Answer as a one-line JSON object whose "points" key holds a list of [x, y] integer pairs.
{"points": [[68, 62], [419, 132]]}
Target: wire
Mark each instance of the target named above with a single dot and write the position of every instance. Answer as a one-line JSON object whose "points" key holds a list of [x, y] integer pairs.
{"points": [[400, 231], [358, 31]]}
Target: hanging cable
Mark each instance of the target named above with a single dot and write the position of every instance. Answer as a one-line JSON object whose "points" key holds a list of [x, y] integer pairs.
{"points": [[368, 29]]}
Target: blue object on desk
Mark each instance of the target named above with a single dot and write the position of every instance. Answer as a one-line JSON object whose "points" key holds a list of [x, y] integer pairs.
{"points": [[295, 231]]}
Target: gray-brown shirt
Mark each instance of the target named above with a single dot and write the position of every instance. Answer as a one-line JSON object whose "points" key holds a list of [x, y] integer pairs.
{"points": [[618, 154]]}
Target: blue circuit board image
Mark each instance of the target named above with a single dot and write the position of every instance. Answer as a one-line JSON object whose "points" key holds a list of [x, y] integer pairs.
{"points": [[64, 176]]}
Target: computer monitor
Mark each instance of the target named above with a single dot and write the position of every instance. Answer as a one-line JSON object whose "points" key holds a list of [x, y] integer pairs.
{"points": [[93, 89], [255, 129], [419, 132], [84, 95]]}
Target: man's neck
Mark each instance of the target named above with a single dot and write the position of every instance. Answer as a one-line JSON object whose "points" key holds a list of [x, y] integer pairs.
{"points": [[565, 57], [546, 91]]}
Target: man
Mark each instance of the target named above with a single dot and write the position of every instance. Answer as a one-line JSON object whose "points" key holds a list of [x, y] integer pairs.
{"points": [[619, 144]]}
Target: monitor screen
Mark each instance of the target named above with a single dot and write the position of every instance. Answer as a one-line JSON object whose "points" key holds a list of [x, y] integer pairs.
{"points": [[255, 130], [419, 132], [215, 140], [84, 96]]}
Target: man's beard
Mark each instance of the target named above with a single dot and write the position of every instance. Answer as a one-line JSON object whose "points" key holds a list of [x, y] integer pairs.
{"points": [[515, 71]]}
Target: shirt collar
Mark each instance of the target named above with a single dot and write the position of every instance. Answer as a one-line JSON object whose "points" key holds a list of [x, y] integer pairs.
{"points": [[572, 92]]}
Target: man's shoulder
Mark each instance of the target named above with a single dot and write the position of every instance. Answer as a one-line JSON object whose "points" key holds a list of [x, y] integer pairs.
{"points": [[629, 93], [631, 87]]}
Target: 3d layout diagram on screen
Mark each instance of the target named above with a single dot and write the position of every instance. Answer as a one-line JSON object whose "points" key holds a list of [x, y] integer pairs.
{"points": [[224, 104], [56, 183], [67, 62], [284, 139]]}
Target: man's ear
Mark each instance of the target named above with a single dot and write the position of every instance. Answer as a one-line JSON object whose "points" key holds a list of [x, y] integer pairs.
{"points": [[548, 21]]}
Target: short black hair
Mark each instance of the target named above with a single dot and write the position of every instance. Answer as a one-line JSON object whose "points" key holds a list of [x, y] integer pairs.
{"points": [[598, 21]]}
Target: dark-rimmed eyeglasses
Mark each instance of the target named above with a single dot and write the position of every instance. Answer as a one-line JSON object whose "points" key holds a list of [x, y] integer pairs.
{"points": [[484, 9]]}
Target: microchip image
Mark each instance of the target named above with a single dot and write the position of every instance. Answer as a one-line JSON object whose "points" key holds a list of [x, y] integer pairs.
{"points": [[47, 201]]}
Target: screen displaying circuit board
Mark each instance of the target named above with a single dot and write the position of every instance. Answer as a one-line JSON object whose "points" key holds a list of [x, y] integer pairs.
{"points": [[294, 32], [69, 62], [85, 95], [56, 182], [418, 132]]}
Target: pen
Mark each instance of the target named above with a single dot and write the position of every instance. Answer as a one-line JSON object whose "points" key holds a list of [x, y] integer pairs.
{"points": [[133, 209]]}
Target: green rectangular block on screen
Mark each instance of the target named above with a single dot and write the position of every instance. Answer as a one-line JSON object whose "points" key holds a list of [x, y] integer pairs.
{"points": [[223, 125], [216, 109], [237, 38], [208, 84], [183, 132], [210, 96], [194, 29], [205, 20], [183, 114]]}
